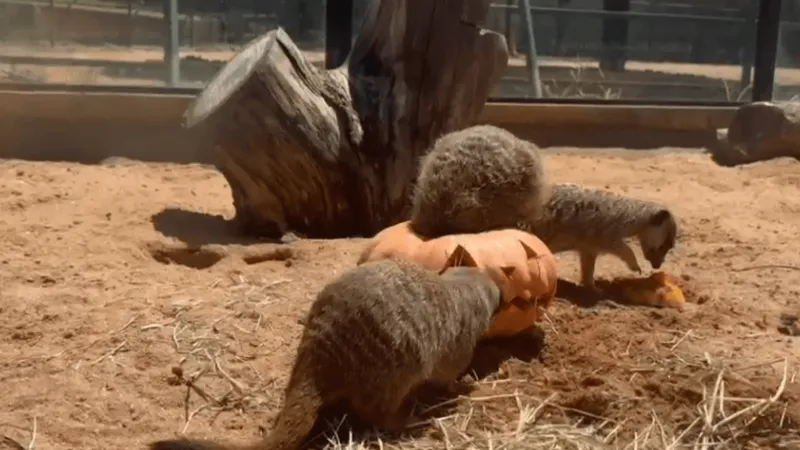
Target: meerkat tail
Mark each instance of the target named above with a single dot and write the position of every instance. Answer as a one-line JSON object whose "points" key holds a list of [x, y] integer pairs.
{"points": [[293, 425], [296, 418]]}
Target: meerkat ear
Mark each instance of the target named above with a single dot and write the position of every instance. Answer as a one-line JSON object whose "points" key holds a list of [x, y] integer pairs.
{"points": [[529, 252], [660, 217]]}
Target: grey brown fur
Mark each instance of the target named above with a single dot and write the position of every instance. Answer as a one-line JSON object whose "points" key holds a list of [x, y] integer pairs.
{"points": [[477, 179], [371, 337], [593, 222]]}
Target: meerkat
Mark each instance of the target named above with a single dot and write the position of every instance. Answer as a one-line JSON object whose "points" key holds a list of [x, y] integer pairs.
{"points": [[371, 337], [593, 222], [477, 179]]}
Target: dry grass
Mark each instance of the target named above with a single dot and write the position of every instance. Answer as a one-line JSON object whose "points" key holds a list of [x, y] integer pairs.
{"points": [[203, 350], [733, 96], [575, 87], [720, 420]]}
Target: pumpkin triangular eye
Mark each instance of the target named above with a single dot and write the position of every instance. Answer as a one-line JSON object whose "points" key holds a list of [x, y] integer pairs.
{"points": [[529, 252], [508, 270], [460, 257]]}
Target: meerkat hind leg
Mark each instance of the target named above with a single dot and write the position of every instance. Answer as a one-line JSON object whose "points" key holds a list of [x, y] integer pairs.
{"points": [[390, 410]]}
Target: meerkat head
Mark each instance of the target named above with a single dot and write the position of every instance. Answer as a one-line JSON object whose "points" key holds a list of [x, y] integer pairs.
{"points": [[658, 237]]}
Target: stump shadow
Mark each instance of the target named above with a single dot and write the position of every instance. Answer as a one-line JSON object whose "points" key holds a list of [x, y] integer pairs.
{"points": [[197, 228]]}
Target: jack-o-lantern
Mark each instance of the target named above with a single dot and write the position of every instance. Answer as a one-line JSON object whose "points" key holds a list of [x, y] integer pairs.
{"points": [[528, 289]]}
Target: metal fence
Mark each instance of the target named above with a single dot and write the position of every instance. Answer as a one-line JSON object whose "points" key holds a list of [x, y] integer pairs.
{"points": [[562, 50]]}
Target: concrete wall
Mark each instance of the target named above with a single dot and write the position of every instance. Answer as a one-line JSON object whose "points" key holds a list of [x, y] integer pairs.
{"points": [[91, 127]]}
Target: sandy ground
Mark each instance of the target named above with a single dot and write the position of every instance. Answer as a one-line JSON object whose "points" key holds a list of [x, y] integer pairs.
{"points": [[98, 306]]}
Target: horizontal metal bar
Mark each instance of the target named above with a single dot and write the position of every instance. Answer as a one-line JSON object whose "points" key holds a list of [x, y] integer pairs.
{"points": [[98, 88], [189, 91], [790, 25], [79, 62], [629, 14], [613, 102], [609, 83]]}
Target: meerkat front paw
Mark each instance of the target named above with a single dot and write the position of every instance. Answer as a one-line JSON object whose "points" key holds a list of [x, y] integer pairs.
{"points": [[634, 266], [626, 254], [591, 287]]}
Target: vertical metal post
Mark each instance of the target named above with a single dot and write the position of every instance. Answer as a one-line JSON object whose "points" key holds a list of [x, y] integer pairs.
{"points": [[508, 28], [533, 59], [748, 51], [767, 33], [53, 23], [338, 31], [129, 31], [171, 44], [615, 34]]}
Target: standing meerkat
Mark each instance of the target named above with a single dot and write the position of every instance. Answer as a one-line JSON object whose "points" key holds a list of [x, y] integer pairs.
{"points": [[371, 337], [592, 222], [477, 179]]}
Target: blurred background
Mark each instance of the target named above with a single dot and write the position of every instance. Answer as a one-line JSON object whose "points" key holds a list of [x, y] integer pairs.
{"points": [[584, 50]]}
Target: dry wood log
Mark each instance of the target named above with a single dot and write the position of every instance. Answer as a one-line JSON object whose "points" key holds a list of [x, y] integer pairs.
{"points": [[328, 154], [759, 131]]}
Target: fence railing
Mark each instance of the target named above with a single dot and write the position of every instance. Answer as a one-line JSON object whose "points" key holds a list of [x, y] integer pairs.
{"points": [[757, 58]]}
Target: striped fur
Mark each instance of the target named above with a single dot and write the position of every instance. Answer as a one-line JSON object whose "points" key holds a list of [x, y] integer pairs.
{"points": [[593, 222], [477, 179], [372, 336]]}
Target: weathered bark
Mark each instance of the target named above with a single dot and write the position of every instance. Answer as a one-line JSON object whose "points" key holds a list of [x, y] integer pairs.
{"points": [[334, 153], [759, 131]]}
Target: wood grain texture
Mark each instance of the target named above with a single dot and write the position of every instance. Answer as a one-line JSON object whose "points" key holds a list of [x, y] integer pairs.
{"points": [[334, 153]]}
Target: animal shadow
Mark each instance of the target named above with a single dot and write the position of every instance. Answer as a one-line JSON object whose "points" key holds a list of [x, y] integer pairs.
{"points": [[577, 295], [586, 298], [197, 228], [491, 354]]}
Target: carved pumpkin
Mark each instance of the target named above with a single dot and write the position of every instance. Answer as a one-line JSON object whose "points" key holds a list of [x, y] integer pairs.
{"points": [[528, 289], [658, 290]]}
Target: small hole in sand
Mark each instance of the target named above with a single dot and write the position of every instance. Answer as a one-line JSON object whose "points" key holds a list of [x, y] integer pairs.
{"points": [[196, 258]]}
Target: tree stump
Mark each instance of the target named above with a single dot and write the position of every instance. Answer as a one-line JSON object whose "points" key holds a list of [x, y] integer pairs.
{"points": [[759, 131], [327, 154]]}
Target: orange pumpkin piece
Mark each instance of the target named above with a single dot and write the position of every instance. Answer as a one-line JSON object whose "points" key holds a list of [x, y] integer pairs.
{"points": [[528, 289], [655, 290]]}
